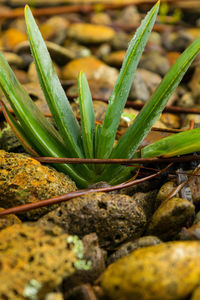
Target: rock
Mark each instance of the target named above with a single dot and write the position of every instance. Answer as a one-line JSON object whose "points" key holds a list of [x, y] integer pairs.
{"points": [[8, 140], [12, 37], [152, 80], [24, 180], [194, 182], [191, 233], [170, 217], [32, 73], [77, 50], [194, 84], [58, 53], [176, 41], [186, 100], [93, 68], [99, 109], [14, 60], [120, 41], [146, 202], [35, 92], [154, 62], [139, 89], [54, 29], [170, 120], [90, 33], [115, 58], [196, 294], [115, 218], [54, 296], [192, 117], [172, 57], [9, 220], [103, 50], [82, 292], [164, 192], [99, 90], [101, 18], [131, 246], [21, 76], [130, 16], [29, 260], [165, 271], [96, 258]]}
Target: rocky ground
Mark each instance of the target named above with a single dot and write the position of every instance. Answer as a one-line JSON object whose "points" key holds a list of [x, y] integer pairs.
{"points": [[135, 243]]}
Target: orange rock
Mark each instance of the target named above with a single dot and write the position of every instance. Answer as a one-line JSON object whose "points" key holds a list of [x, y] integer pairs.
{"points": [[12, 37], [115, 58]]}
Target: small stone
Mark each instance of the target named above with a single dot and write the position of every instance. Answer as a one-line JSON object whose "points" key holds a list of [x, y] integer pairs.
{"points": [[14, 60], [78, 50], [115, 58], [152, 80], [101, 18], [172, 57], [90, 33], [99, 90], [24, 180], [29, 260], [120, 41], [99, 109], [33, 75], [21, 76], [9, 220], [186, 100], [12, 37], [131, 246], [93, 68], [170, 217], [54, 296], [165, 271], [130, 16], [96, 258], [82, 292], [115, 218], [191, 233], [8, 140], [139, 89], [176, 41], [194, 182], [54, 29], [170, 120], [195, 84], [154, 62], [164, 192]]}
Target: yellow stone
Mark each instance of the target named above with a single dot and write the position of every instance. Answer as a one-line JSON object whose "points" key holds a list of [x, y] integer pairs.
{"points": [[12, 37], [92, 67], [166, 271], [90, 33], [115, 58]]}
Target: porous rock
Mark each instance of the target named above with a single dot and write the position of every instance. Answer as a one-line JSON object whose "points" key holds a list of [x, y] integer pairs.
{"points": [[24, 180], [36, 257], [165, 271], [115, 218]]}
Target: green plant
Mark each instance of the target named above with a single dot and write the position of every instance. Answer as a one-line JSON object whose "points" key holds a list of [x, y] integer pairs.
{"points": [[40, 137]]}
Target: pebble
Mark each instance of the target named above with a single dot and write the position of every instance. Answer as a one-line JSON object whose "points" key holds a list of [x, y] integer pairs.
{"points": [[12, 37], [24, 180], [165, 271], [131, 246], [139, 89], [115, 58], [115, 218], [170, 217], [9, 220], [154, 62], [54, 29], [101, 18], [92, 67], [90, 33], [191, 233], [164, 192], [194, 85], [14, 60]]}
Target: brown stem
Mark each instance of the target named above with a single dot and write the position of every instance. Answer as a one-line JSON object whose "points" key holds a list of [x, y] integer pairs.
{"points": [[75, 194]]}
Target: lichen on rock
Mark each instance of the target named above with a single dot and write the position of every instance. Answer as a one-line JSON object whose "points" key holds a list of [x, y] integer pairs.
{"points": [[30, 252], [24, 180]]}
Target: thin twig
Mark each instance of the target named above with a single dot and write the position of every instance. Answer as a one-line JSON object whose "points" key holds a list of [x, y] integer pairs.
{"points": [[75, 194]]}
